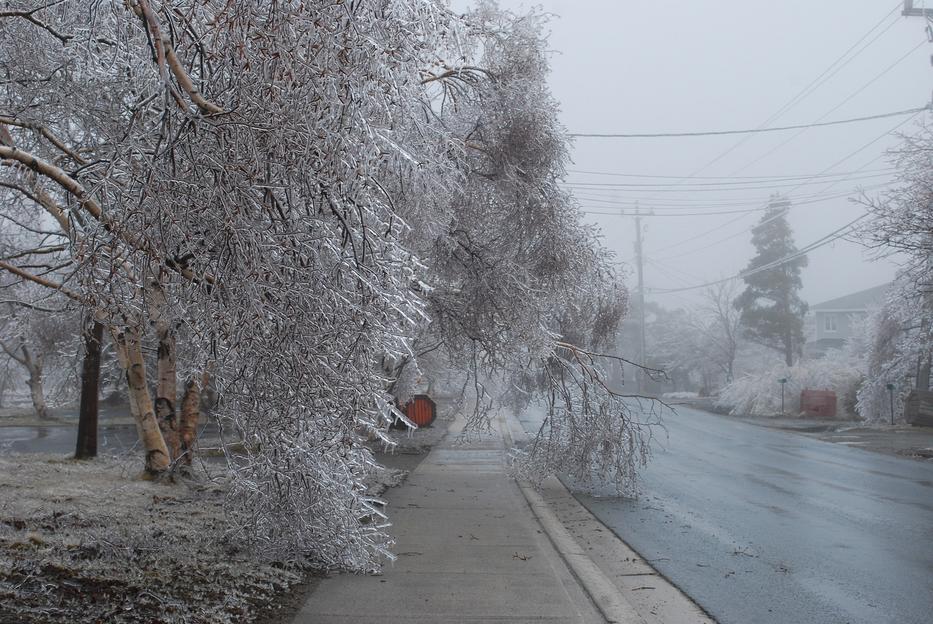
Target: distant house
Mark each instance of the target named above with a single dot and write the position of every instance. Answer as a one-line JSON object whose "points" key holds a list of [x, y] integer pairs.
{"points": [[829, 324]]}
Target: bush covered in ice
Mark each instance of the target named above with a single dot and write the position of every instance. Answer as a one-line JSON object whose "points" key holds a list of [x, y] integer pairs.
{"points": [[760, 394]]}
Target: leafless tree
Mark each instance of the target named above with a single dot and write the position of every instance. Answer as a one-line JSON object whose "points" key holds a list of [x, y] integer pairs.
{"points": [[900, 336], [724, 329]]}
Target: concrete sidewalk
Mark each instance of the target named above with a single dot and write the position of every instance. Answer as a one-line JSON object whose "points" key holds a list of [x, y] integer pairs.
{"points": [[470, 549]]}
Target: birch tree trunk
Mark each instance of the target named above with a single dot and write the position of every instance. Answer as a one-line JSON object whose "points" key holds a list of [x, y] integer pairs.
{"points": [[129, 352], [190, 415], [166, 386], [33, 365]]}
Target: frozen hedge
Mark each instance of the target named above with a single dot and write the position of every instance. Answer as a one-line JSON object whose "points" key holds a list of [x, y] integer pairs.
{"points": [[760, 394]]}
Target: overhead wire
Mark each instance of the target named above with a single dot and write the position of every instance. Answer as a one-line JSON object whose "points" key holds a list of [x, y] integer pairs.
{"points": [[665, 271], [761, 178], [705, 133], [837, 107], [628, 201], [806, 91], [593, 210], [605, 202], [830, 71], [832, 166], [844, 59], [840, 63], [707, 187], [821, 242]]}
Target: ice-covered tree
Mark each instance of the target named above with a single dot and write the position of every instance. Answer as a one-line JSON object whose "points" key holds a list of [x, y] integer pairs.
{"points": [[37, 325], [42, 345], [519, 292], [724, 327], [228, 157], [900, 337], [772, 311], [255, 181]]}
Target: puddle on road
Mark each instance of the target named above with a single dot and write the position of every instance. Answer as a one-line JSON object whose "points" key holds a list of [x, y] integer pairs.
{"points": [[113, 439]]}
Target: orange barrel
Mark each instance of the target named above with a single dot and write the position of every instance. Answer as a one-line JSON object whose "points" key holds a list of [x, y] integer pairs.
{"points": [[421, 410]]}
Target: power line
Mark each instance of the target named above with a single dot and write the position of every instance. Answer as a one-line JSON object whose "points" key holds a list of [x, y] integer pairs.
{"points": [[595, 210], [832, 166], [671, 274], [670, 268], [704, 187], [799, 96], [837, 107], [679, 214], [730, 236], [832, 70], [825, 240], [660, 135], [608, 201], [756, 178]]}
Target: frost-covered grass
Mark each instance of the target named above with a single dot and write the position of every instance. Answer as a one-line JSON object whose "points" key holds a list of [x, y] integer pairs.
{"points": [[89, 542], [760, 394]]}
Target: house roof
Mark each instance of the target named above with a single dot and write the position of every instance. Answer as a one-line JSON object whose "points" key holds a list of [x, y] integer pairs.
{"points": [[856, 301]]}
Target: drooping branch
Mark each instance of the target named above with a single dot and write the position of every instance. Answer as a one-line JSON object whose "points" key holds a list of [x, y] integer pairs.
{"points": [[26, 275], [30, 16], [45, 132], [57, 175], [184, 80], [12, 354], [168, 60], [86, 201]]}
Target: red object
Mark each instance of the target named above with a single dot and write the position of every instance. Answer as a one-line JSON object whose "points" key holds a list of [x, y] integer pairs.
{"points": [[818, 403], [421, 410]]}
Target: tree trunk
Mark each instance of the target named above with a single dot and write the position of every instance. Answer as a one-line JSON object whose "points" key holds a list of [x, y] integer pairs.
{"points": [[166, 388], [86, 447], [190, 415], [37, 393], [789, 349], [923, 373], [129, 351], [33, 366]]}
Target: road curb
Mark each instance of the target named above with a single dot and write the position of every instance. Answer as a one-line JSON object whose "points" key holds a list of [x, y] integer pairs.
{"points": [[614, 607], [603, 592]]}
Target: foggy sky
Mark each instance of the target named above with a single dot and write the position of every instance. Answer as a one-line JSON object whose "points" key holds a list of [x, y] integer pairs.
{"points": [[632, 67]]}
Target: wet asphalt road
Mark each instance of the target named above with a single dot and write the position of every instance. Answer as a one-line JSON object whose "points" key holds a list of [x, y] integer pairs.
{"points": [[763, 526]]}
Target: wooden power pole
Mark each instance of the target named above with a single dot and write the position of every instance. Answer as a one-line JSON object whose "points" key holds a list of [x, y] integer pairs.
{"points": [[640, 259]]}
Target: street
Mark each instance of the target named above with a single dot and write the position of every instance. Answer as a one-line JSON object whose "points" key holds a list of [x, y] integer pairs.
{"points": [[61, 439], [765, 526]]}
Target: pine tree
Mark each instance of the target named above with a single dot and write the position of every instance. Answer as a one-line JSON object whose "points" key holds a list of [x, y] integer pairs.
{"points": [[771, 309]]}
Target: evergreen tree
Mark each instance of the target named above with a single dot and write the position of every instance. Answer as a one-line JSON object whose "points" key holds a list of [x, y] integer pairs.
{"points": [[771, 309]]}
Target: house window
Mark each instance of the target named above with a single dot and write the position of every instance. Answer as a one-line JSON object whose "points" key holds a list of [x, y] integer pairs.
{"points": [[829, 323]]}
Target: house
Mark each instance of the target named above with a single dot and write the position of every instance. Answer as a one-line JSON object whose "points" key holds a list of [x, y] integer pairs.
{"points": [[830, 324]]}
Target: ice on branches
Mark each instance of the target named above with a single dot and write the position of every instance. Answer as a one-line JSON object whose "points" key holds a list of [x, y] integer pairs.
{"points": [[310, 204]]}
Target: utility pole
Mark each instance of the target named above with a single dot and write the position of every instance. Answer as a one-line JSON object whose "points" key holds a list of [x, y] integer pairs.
{"points": [[923, 364], [924, 361], [911, 11], [639, 258]]}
